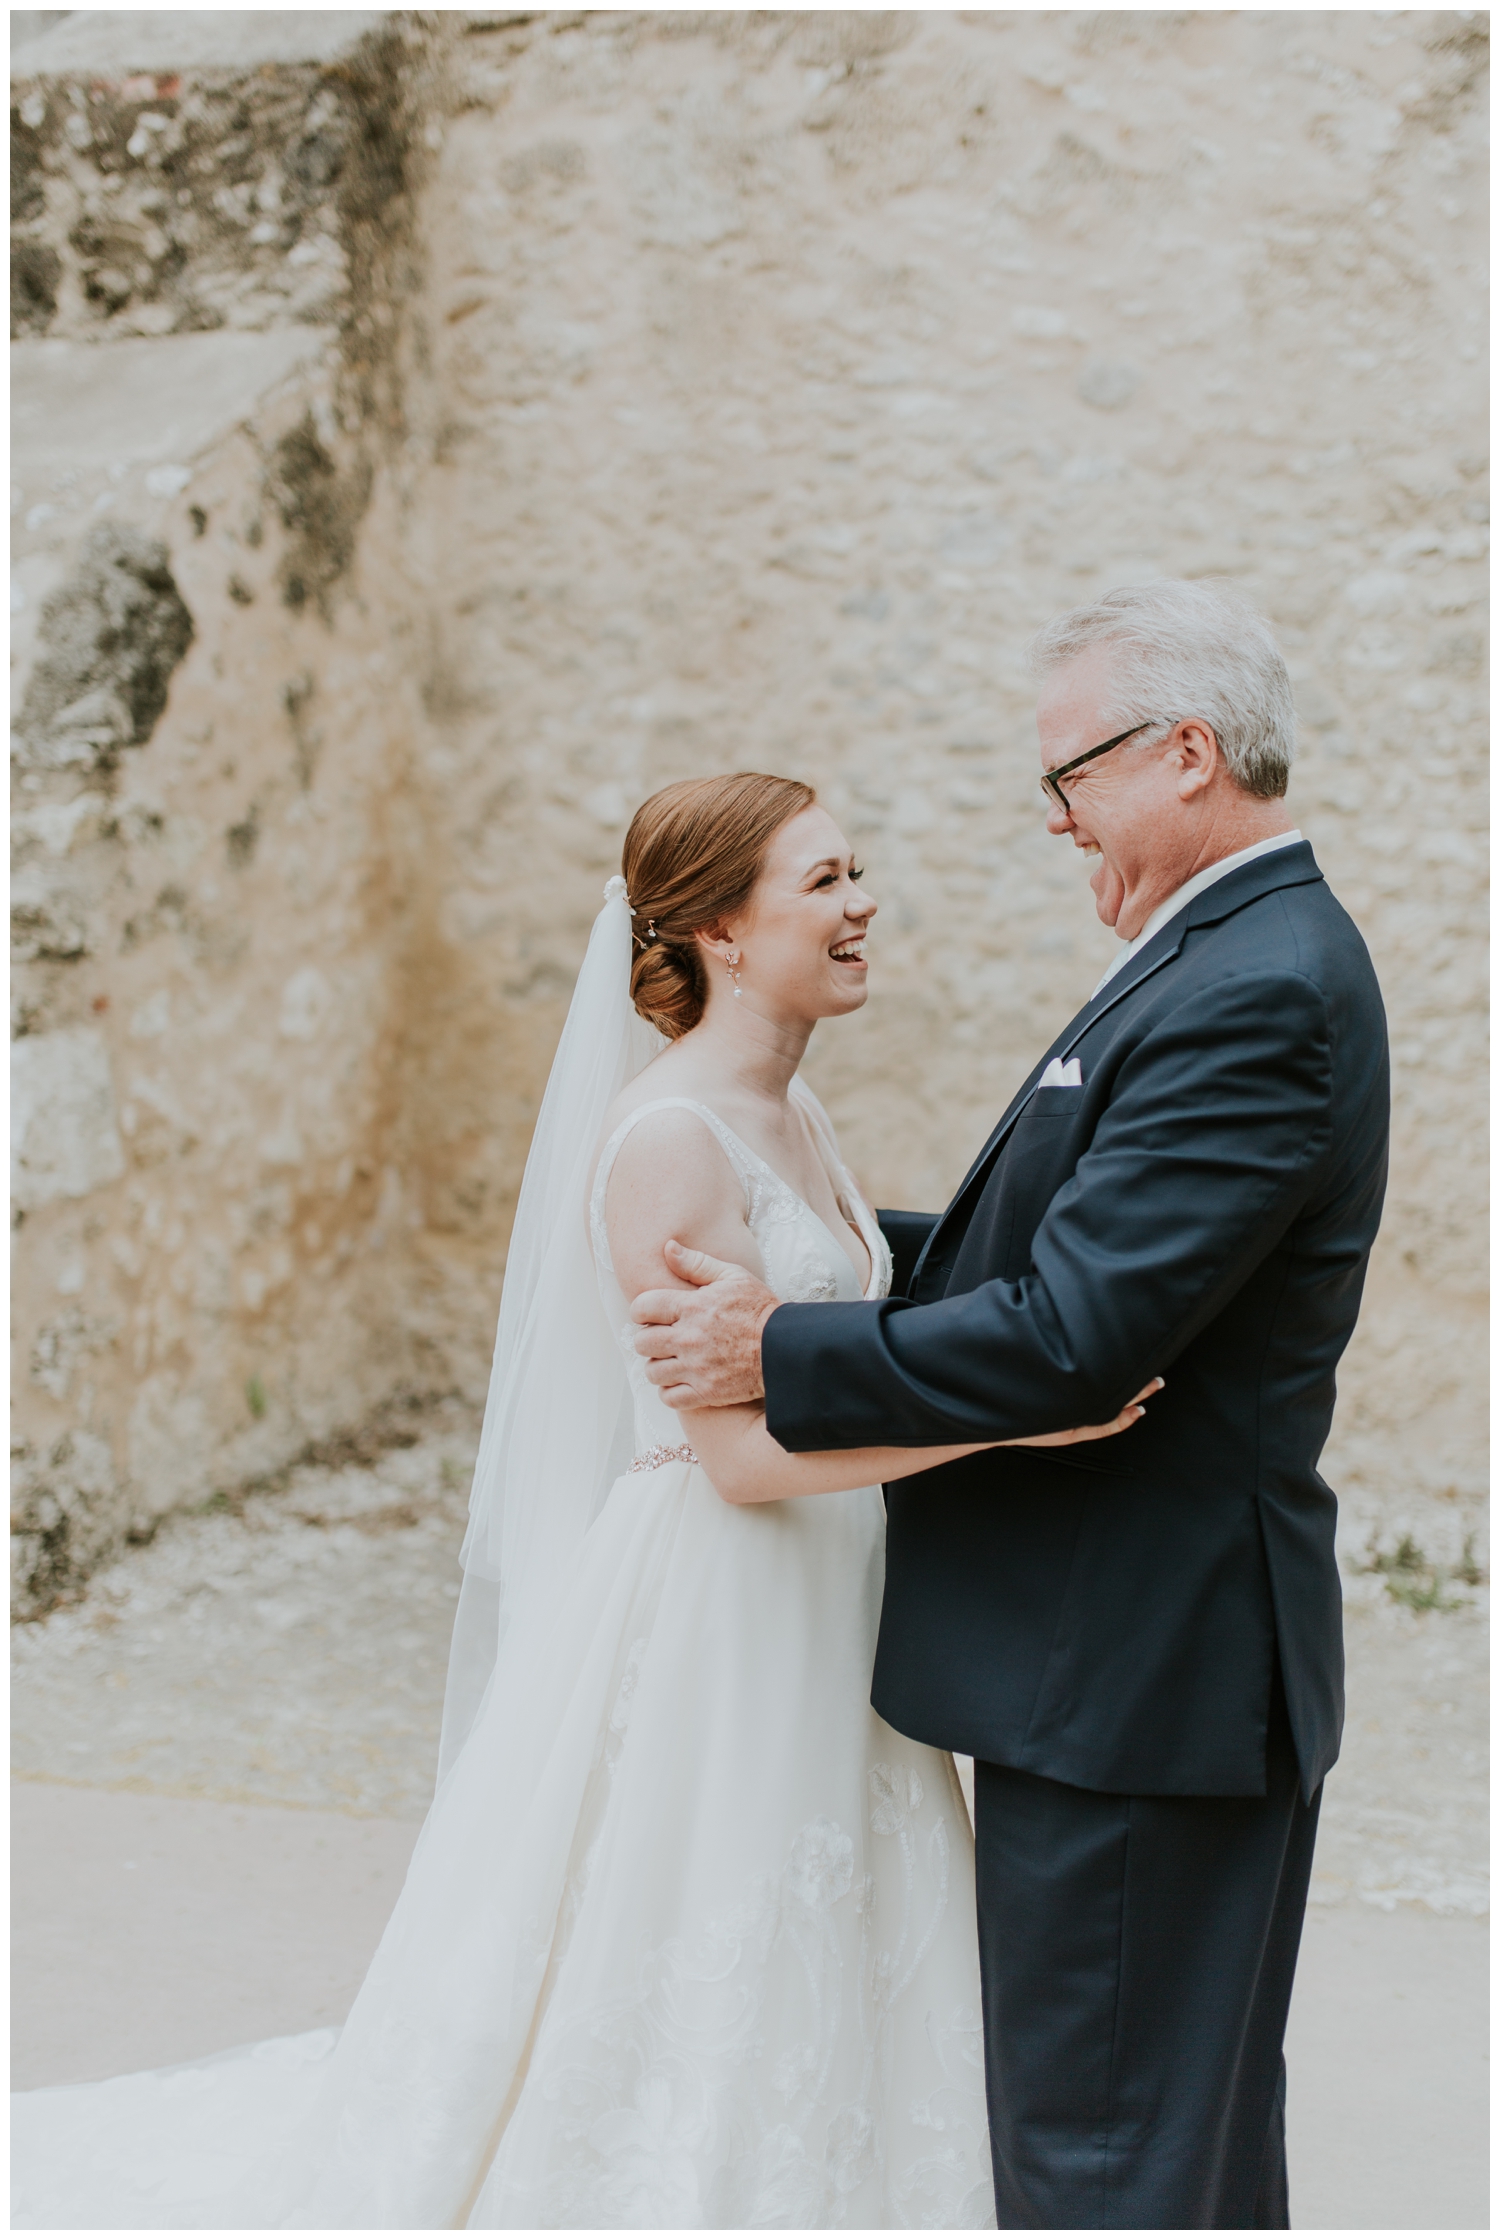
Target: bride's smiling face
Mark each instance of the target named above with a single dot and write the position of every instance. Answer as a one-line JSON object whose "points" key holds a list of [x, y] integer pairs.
{"points": [[801, 936]]}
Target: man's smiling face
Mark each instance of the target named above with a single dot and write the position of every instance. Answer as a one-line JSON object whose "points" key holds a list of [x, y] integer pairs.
{"points": [[1123, 810], [1150, 813]]}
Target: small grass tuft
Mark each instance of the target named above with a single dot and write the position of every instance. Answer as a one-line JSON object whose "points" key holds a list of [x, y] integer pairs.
{"points": [[1414, 1580], [1472, 1573], [255, 1395], [1421, 1593]]}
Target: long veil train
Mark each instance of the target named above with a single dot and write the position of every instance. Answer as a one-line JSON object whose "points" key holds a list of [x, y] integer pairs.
{"points": [[558, 1416]]}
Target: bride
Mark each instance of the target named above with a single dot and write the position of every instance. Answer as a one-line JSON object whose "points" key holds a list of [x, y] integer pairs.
{"points": [[688, 1937]]}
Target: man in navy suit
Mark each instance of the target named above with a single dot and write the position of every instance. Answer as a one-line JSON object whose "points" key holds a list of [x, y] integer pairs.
{"points": [[1138, 1640]]}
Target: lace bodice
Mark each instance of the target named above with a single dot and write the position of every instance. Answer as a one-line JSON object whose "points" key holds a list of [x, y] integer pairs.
{"points": [[803, 1258]]}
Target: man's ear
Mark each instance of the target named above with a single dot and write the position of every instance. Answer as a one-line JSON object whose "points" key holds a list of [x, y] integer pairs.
{"points": [[1195, 750]]}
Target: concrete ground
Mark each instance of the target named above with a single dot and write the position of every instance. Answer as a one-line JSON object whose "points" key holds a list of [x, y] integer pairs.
{"points": [[1388, 2072], [153, 1929], [223, 1754]]}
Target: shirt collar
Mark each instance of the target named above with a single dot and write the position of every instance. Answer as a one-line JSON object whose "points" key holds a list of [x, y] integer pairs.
{"points": [[1165, 911]]}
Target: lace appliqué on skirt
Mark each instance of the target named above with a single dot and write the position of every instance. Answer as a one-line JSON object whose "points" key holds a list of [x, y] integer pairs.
{"points": [[745, 2078]]}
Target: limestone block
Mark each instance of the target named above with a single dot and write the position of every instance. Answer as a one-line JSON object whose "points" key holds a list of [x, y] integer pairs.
{"points": [[306, 1002], [62, 1347], [81, 411], [110, 637], [208, 386], [46, 919], [175, 39], [64, 1138], [56, 828], [65, 1510], [210, 191], [168, 1429]]}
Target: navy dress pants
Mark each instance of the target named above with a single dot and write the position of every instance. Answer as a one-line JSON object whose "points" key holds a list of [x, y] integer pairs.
{"points": [[1137, 1956]]}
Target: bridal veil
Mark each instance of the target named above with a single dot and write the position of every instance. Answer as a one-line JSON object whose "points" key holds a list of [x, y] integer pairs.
{"points": [[558, 1420]]}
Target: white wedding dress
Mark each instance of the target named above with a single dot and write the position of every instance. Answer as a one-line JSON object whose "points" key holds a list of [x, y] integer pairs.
{"points": [[688, 1938]]}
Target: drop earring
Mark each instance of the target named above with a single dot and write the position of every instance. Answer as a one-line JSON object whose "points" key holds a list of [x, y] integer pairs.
{"points": [[731, 966]]}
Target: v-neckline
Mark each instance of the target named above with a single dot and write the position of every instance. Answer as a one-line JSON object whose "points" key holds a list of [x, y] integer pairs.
{"points": [[865, 1289]]}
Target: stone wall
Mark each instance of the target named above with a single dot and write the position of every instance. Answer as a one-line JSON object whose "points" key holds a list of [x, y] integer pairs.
{"points": [[666, 393], [212, 718]]}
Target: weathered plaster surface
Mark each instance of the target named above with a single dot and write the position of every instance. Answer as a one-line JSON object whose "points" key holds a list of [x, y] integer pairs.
{"points": [[212, 715], [684, 393]]}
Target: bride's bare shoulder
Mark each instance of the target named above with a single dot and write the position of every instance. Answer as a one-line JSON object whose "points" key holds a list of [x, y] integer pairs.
{"points": [[676, 1076], [672, 1140], [669, 1175], [654, 1082]]}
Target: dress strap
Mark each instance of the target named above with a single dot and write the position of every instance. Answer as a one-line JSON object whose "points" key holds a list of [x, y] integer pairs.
{"points": [[821, 1125], [729, 1143]]}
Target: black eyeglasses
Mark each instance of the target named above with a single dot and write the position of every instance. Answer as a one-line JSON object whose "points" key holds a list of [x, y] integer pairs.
{"points": [[1051, 780]]}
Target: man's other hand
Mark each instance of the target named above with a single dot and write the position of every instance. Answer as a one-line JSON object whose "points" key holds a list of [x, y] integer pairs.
{"points": [[702, 1347]]}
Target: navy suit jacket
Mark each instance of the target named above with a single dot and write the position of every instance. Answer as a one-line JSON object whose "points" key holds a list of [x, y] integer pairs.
{"points": [[1113, 1615]]}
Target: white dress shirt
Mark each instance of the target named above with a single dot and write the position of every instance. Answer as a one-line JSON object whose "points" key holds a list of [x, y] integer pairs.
{"points": [[1165, 911]]}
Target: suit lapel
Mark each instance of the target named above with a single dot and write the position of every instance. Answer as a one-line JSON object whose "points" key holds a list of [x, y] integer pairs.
{"points": [[1126, 981], [1295, 866]]}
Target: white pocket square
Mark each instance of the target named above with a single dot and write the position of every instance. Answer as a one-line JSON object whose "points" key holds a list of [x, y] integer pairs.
{"points": [[1060, 1074]]}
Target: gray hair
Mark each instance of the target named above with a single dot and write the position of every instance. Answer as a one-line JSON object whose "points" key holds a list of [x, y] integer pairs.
{"points": [[1188, 649]]}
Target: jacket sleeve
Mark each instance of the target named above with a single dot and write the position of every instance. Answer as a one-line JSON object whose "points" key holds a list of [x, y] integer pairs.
{"points": [[906, 1234], [1201, 1159]]}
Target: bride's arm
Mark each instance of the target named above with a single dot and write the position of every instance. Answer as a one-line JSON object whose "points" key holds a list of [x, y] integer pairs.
{"points": [[671, 1179], [746, 1464]]}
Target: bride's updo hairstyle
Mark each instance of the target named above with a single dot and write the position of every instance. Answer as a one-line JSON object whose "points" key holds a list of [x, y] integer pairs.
{"points": [[692, 855]]}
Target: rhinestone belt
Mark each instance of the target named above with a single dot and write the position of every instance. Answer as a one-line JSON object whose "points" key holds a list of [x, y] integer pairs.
{"points": [[654, 1457]]}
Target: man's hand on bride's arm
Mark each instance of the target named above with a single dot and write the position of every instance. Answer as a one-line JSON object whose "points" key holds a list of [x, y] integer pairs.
{"points": [[702, 1346], [1131, 1413]]}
